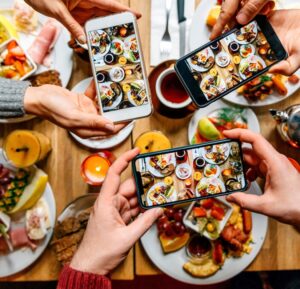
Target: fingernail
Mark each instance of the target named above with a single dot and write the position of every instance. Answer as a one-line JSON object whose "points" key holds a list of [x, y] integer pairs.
{"points": [[82, 39], [159, 212], [241, 18], [110, 126], [229, 198]]}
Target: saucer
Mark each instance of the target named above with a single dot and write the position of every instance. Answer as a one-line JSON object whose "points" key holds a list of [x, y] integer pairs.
{"points": [[100, 143], [160, 107]]}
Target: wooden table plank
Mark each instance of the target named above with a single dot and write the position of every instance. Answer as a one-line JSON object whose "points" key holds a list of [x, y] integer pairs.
{"points": [[281, 240]]}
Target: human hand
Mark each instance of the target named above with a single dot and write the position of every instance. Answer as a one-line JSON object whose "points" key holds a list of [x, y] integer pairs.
{"points": [[110, 234], [281, 196], [241, 12], [74, 13], [76, 112]]}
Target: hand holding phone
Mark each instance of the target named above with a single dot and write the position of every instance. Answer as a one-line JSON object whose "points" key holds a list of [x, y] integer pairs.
{"points": [[188, 173], [223, 65], [118, 67]]}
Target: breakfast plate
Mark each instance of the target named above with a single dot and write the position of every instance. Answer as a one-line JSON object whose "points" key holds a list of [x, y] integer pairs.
{"points": [[131, 49], [22, 258], [157, 165], [219, 111], [172, 263], [154, 194], [61, 54], [199, 35], [100, 143], [111, 95], [203, 60]]}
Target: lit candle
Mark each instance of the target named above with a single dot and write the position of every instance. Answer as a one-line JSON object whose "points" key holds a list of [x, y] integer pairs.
{"points": [[94, 168]]}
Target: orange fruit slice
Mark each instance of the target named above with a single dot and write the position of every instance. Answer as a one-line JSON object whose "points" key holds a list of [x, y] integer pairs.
{"points": [[173, 244]]}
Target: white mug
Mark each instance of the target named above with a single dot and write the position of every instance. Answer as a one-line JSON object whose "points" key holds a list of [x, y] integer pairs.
{"points": [[162, 98]]}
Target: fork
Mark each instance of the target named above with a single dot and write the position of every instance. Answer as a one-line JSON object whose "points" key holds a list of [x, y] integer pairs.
{"points": [[165, 43]]}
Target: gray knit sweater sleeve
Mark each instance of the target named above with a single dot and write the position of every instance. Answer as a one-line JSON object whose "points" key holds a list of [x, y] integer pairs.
{"points": [[12, 97]]}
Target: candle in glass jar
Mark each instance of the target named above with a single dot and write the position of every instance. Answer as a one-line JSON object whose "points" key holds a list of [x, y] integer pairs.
{"points": [[94, 169]]}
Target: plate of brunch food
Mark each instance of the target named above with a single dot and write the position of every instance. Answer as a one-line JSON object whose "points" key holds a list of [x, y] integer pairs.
{"points": [[254, 54], [27, 216], [203, 60], [161, 165], [70, 227], [207, 241], [131, 50], [100, 142], [33, 47], [111, 95], [209, 122]]}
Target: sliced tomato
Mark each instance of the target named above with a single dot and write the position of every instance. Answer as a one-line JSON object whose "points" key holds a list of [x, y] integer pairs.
{"points": [[199, 212], [218, 253], [17, 51], [12, 44], [218, 213], [10, 74], [207, 203], [9, 59]]}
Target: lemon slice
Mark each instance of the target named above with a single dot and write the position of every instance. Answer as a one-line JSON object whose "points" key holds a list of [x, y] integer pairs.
{"points": [[9, 27], [207, 129]]}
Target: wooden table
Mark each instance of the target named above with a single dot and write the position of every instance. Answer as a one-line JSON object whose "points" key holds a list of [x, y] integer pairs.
{"points": [[63, 165]]}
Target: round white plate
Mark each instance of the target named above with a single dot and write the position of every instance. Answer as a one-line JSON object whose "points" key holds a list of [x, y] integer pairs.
{"points": [[171, 264], [249, 59], [117, 101], [226, 150], [199, 35], [253, 123], [22, 258], [184, 166], [157, 173], [198, 68], [104, 143], [207, 181], [129, 94], [127, 44], [61, 54]]}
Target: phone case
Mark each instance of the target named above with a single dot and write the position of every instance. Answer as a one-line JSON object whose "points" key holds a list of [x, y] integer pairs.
{"points": [[189, 147], [189, 85]]}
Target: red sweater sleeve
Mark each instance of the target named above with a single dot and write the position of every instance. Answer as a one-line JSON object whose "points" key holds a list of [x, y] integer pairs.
{"points": [[73, 279]]}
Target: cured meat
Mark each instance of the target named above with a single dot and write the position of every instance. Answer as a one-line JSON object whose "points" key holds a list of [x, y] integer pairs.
{"points": [[20, 239], [44, 42], [3, 246]]}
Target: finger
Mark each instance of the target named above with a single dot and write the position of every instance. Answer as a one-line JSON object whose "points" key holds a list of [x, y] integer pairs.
{"points": [[251, 174], [249, 11], [71, 24], [114, 6], [250, 157], [228, 10], [134, 212], [262, 148], [112, 181], [267, 9], [288, 66], [133, 202], [91, 92], [247, 201], [128, 188], [141, 224]]}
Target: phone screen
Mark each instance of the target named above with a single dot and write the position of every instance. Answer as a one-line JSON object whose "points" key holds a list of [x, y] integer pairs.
{"points": [[231, 60], [116, 59], [190, 173]]}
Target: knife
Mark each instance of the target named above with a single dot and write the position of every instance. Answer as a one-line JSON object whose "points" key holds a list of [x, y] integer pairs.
{"points": [[182, 26]]}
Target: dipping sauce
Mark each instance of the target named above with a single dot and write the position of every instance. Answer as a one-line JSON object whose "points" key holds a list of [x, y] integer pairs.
{"points": [[94, 169], [198, 246], [172, 89]]}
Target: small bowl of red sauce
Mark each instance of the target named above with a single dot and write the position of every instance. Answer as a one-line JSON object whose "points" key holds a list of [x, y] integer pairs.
{"points": [[198, 247]]}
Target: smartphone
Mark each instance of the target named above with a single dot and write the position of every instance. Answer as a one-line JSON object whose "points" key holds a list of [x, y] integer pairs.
{"points": [[189, 173], [236, 57], [118, 67]]}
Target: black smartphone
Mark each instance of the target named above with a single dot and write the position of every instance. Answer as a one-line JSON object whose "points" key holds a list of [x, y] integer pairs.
{"points": [[236, 57], [188, 173]]}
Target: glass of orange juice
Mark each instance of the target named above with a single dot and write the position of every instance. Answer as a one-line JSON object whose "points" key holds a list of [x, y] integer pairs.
{"points": [[95, 167], [24, 148]]}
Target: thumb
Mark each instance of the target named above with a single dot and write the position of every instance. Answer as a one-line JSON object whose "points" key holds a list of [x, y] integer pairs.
{"points": [[72, 25], [286, 67], [247, 201], [94, 121], [142, 223]]}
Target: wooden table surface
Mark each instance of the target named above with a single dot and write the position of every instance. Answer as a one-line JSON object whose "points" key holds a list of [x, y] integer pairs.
{"points": [[63, 168]]}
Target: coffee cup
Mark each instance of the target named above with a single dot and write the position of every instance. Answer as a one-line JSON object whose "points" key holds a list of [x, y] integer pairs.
{"points": [[170, 91]]}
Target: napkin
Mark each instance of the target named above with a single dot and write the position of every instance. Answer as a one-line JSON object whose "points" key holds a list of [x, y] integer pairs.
{"points": [[158, 25]]}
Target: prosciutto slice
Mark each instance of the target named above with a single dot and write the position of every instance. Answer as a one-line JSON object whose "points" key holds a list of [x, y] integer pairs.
{"points": [[19, 238], [44, 42]]}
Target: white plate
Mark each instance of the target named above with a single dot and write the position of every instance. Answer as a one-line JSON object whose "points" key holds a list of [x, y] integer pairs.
{"points": [[251, 24], [127, 44], [61, 54], [157, 173], [104, 143], [253, 123], [184, 166], [22, 258], [117, 100], [207, 181], [251, 59], [201, 68], [171, 198], [129, 94], [199, 35], [171, 264]]}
